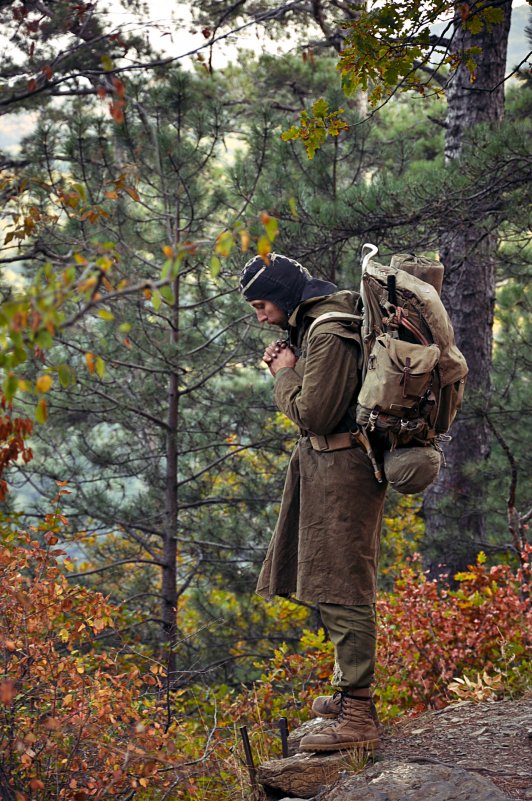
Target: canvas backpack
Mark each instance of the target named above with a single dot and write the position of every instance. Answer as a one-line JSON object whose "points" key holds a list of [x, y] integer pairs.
{"points": [[413, 374]]}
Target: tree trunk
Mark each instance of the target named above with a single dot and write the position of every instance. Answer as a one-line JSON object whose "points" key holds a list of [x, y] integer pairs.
{"points": [[454, 506], [169, 579]]}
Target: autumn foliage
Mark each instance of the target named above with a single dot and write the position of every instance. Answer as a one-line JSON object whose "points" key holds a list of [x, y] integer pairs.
{"points": [[433, 639], [85, 714], [13, 430], [430, 634], [77, 720]]}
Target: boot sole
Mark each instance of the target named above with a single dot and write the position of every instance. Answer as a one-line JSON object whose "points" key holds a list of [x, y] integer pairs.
{"points": [[369, 745], [327, 717]]}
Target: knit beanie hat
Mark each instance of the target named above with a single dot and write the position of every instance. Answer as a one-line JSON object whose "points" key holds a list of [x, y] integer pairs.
{"points": [[282, 281]]}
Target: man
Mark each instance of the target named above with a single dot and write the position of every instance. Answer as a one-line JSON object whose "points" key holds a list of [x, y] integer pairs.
{"points": [[325, 545]]}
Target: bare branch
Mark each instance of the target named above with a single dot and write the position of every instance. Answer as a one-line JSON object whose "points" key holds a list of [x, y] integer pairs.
{"points": [[116, 564]]}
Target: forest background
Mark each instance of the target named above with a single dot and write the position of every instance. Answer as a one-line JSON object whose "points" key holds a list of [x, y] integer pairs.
{"points": [[142, 456]]}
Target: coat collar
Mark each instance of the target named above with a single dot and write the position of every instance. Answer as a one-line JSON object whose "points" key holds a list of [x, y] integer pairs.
{"points": [[343, 300]]}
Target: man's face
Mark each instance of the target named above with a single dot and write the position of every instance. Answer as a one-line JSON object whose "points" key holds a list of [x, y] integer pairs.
{"points": [[268, 312]]}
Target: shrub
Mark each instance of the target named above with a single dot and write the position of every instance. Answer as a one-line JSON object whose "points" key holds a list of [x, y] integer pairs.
{"points": [[76, 721], [430, 634], [433, 640]]}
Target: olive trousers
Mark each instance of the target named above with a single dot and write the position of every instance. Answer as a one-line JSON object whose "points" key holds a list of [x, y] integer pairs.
{"points": [[353, 632]]}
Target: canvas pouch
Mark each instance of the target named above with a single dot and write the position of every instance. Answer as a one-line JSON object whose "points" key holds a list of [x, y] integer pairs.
{"points": [[398, 376], [410, 470]]}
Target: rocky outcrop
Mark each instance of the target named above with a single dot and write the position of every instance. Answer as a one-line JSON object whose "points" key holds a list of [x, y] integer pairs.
{"points": [[466, 752], [302, 775], [322, 778], [403, 781]]}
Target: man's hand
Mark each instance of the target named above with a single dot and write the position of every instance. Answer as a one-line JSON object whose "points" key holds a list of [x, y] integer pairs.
{"points": [[279, 354]]}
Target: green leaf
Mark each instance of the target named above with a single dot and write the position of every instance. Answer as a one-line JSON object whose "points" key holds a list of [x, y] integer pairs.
{"points": [[107, 63], [320, 108], [474, 24], [105, 314], [156, 300], [168, 294], [100, 366], [292, 133], [19, 356], [66, 375], [124, 328], [292, 203], [216, 266], [166, 269], [44, 339], [10, 386], [492, 15], [81, 190]]}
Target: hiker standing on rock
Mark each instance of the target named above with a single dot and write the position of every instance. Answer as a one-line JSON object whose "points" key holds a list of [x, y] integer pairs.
{"points": [[325, 546]]}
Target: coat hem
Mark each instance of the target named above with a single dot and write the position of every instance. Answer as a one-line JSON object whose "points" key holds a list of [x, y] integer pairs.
{"points": [[328, 599]]}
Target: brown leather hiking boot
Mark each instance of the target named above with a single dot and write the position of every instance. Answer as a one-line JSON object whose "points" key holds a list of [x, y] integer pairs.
{"points": [[355, 728], [329, 706]]}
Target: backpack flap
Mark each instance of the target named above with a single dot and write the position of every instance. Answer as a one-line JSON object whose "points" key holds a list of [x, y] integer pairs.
{"points": [[398, 377]]}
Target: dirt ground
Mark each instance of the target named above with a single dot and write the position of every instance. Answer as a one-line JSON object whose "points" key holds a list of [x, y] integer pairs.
{"points": [[492, 738]]}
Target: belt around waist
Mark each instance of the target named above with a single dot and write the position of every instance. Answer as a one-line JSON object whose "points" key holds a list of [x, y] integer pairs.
{"points": [[333, 442]]}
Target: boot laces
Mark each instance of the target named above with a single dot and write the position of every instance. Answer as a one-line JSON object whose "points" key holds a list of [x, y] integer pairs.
{"points": [[350, 711]]}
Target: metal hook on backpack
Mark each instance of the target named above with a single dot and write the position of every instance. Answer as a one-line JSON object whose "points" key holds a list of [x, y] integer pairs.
{"points": [[373, 249]]}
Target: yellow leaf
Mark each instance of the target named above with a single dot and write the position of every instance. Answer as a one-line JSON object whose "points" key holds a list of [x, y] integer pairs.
{"points": [[224, 243], [292, 202], [263, 247], [44, 383], [244, 240], [41, 411]]}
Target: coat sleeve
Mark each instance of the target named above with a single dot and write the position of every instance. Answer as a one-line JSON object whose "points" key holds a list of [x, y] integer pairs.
{"points": [[318, 401]]}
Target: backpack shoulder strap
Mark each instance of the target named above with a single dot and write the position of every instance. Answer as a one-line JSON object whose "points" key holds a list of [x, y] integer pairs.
{"points": [[332, 316]]}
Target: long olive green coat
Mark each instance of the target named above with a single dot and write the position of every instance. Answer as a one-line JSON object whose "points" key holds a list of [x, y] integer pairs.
{"points": [[325, 545]]}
